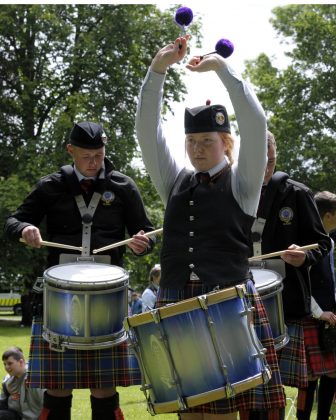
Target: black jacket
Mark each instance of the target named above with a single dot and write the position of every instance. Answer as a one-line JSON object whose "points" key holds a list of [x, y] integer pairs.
{"points": [[52, 199], [293, 219]]}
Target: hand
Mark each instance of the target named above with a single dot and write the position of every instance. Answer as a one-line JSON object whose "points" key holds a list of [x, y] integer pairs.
{"points": [[329, 317], [294, 256], [31, 234], [170, 54], [210, 62], [139, 243]]}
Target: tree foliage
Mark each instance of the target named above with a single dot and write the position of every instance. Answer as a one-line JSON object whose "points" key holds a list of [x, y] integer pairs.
{"points": [[300, 100], [65, 63]]}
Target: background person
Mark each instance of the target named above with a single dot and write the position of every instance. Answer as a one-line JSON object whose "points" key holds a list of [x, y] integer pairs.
{"points": [[321, 363], [16, 400], [149, 295], [119, 209], [287, 217], [209, 210]]}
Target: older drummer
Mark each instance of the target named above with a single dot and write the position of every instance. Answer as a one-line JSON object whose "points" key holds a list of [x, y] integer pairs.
{"points": [[209, 210], [119, 207]]}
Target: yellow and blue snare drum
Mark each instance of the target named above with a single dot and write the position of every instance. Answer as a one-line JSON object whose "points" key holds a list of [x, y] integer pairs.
{"points": [[84, 305], [269, 286], [197, 350]]}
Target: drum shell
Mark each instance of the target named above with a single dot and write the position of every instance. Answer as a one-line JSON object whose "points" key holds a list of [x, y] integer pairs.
{"points": [[269, 286], [180, 359], [84, 305]]}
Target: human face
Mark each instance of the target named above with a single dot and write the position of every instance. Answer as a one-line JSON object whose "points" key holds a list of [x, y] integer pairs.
{"points": [[205, 150], [87, 161], [14, 367], [271, 162]]}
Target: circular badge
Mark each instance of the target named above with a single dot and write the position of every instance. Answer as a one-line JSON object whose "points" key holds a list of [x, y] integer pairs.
{"points": [[103, 138], [286, 215], [220, 118], [107, 198]]}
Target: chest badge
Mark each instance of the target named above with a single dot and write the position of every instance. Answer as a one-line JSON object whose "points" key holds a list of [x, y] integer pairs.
{"points": [[107, 198], [286, 215]]}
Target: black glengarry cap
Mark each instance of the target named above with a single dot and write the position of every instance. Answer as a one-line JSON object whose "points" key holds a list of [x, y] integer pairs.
{"points": [[88, 135], [206, 118]]}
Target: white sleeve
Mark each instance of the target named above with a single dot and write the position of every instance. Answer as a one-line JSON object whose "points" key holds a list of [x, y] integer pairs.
{"points": [[248, 173], [160, 164]]}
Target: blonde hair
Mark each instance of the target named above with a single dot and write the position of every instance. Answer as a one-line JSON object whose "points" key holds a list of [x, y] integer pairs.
{"points": [[229, 142]]}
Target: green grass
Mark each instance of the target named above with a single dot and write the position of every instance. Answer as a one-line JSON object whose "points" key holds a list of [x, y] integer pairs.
{"points": [[132, 399]]}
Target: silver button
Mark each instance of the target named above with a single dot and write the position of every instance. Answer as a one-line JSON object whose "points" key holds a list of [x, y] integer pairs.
{"points": [[191, 218], [191, 266], [191, 249], [191, 203], [191, 234]]}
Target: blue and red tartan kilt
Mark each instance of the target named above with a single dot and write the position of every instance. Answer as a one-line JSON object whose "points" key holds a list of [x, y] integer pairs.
{"points": [[303, 357], [104, 368], [319, 361], [270, 396]]}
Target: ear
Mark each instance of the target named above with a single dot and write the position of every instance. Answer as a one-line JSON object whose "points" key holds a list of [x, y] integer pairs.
{"points": [[70, 149]]}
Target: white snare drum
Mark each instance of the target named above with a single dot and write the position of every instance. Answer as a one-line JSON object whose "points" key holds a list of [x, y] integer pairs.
{"points": [[197, 350], [84, 305], [269, 286]]}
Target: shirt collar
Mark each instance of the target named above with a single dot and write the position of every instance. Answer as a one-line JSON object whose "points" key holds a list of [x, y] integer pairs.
{"points": [[80, 176], [213, 171]]}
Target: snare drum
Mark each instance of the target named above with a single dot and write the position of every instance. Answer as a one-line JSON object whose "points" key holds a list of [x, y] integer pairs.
{"points": [[269, 286], [84, 305], [197, 350]]}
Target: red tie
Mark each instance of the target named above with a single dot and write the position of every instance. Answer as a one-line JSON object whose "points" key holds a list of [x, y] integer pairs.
{"points": [[85, 185], [203, 177]]}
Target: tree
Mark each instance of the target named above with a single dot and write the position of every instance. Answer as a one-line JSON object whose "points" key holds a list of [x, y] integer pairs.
{"points": [[300, 100], [64, 63]]}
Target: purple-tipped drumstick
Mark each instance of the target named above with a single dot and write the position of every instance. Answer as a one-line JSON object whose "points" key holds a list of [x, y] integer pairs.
{"points": [[183, 18], [224, 47]]}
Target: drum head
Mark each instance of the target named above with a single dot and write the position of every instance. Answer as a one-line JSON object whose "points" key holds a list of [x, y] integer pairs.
{"points": [[78, 276], [265, 279]]}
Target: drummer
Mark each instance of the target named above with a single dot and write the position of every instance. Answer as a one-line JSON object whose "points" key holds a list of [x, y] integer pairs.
{"points": [[209, 210], [119, 208], [292, 219]]}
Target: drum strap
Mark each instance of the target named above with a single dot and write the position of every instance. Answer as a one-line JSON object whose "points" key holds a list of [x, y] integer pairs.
{"points": [[87, 213]]}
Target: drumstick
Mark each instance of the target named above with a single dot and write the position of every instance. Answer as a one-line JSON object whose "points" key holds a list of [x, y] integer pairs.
{"points": [[278, 253], [126, 241], [57, 245]]}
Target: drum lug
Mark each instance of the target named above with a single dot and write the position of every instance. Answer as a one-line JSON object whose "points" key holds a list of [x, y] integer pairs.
{"points": [[181, 403], [203, 301], [229, 390], [241, 290], [55, 342], [156, 316]]}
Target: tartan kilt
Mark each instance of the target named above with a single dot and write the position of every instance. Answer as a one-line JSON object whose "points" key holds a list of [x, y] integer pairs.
{"points": [[319, 361], [104, 368], [263, 397], [292, 358]]}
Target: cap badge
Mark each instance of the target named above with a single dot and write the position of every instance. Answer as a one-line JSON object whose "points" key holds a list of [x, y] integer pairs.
{"points": [[220, 118], [103, 138]]}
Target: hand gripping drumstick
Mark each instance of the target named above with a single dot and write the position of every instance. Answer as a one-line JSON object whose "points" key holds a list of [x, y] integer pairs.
{"points": [[57, 245], [126, 241], [278, 253]]}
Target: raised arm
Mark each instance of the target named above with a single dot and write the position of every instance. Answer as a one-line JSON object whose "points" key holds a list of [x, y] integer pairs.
{"points": [[248, 174]]}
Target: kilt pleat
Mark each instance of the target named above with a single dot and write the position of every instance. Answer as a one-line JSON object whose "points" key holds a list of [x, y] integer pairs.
{"points": [[104, 368], [319, 361]]}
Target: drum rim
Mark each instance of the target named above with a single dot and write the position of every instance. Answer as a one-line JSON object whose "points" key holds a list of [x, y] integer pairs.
{"points": [[70, 284], [277, 281]]}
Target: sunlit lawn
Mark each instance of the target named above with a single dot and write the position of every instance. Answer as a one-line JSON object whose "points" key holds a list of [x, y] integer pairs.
{"points": [[132, 399]]}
